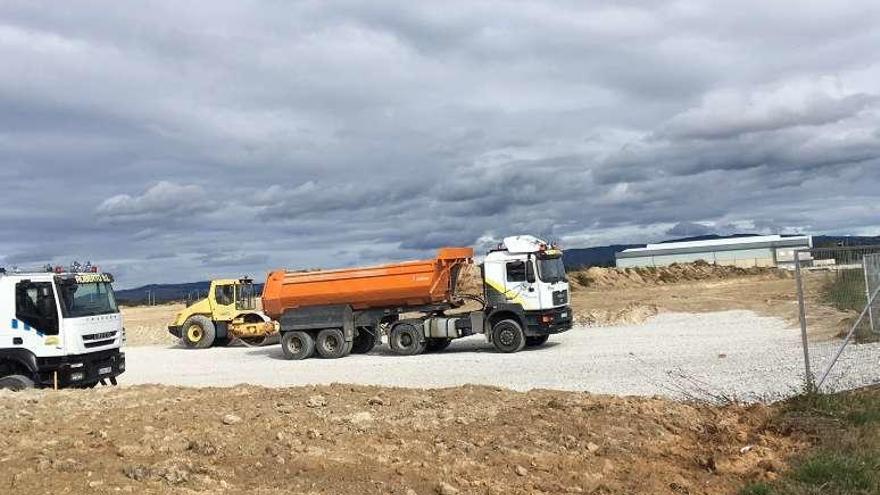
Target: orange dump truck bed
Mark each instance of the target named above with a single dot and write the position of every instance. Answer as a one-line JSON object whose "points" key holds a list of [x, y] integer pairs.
{"points": [[408, 284]]}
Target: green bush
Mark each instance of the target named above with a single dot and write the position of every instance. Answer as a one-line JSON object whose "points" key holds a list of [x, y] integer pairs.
{"points": [[839, 472]]}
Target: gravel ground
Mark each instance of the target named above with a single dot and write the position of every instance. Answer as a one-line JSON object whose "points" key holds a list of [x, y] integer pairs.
{"points": [[732, 354]]}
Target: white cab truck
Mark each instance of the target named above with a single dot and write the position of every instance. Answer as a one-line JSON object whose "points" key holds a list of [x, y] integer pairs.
{"points": [[59, 329], [525, 300]]}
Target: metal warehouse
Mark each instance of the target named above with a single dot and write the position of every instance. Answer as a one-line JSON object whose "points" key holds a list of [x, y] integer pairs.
{"points": [[766, 250]]}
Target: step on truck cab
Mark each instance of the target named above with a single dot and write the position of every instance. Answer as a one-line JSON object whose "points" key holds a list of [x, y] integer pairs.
{"points": [[525, 299], [59, 329]]}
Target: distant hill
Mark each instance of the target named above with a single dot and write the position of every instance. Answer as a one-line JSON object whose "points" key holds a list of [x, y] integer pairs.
{"points": [[594, 256], [831, 241]]}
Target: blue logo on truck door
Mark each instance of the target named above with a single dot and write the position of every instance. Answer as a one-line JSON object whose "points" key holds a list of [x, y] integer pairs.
{"points": [[25, 327]]}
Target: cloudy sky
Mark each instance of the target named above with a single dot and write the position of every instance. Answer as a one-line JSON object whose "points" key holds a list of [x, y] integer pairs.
{"points": [[176, 141]]}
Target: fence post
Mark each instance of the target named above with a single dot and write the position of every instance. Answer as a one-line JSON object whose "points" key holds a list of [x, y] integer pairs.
{"points": [[868, 293], [802, 314]]}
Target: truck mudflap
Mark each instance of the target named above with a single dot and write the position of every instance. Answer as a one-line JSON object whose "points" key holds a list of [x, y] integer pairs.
{"points": [[81, 369], [549, 321]]}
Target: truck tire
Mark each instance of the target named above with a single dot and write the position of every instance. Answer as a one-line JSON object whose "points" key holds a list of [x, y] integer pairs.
{"points": [[198, 332], [297, 345], [406, 340], [437, 345], [331, 343], [508, 336], [364, 341], [16, 383], [536, 341]]}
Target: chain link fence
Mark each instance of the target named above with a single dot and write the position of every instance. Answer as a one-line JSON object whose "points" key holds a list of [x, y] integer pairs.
{"points": [[839, 311]]}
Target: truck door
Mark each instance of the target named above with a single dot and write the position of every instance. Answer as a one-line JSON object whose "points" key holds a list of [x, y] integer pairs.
{"points": [[35, 307], [520, 284]]}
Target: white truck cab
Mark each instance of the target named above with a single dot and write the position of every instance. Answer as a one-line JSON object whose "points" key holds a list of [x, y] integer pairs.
{"points": [[526, 274], [59, 329]]}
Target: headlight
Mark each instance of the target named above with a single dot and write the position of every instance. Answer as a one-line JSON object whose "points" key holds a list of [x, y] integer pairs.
{"points": [[77, 376]]}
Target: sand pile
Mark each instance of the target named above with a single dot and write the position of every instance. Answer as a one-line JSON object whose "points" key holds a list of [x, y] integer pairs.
{"points": [[615, 278], [631, 314]]}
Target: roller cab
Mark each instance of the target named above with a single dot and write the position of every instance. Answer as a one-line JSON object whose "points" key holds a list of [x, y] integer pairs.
{"points": [[228, 313]]}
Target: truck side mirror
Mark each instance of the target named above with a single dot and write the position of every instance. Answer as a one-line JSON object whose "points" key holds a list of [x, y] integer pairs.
{"points": [[530, 272]]}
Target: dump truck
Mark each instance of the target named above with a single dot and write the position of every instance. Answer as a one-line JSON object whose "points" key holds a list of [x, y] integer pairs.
{"points": [[62, 328], [524, 299], [229, 312]]}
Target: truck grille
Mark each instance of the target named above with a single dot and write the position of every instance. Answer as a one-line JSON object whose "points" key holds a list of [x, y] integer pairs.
{"points": [[560, 297], [98, 339]]}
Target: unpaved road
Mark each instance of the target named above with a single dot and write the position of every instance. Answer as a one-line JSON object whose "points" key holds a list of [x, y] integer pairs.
{"points": [[732, 354]]}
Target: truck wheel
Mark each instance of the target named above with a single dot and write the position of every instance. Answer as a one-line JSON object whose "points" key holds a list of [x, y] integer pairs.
{"points": [[364, 341], [297, 345], [16, 383], [536, 341], [508, 336], [406, 339], [331, 343], [437, 345], [198, 332]]}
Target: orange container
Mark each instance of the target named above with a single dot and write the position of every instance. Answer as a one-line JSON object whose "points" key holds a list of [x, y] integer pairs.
{"points": [[407, 284]]}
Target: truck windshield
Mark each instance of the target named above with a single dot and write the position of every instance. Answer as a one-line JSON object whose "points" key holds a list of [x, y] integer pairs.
{"points": [[88, 299], [551, 270]]}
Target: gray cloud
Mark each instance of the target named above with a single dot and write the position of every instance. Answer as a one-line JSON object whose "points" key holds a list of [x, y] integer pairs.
{"points": [[687, 229], [732, 115], [160, 202], [181, 141]]}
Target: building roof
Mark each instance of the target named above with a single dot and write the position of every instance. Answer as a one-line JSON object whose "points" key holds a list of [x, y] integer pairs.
{"points": [[728, 244]]}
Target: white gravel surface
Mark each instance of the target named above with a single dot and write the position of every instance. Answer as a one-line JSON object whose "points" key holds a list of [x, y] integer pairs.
{"points": [[732, 354]]}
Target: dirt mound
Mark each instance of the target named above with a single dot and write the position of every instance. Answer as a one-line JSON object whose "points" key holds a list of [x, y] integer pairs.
{"points": [[615, 278], [631, 314], [363, 440]]}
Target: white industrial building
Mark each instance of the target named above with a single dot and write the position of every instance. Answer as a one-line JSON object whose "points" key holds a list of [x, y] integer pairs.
{"points": [[765, 250]]}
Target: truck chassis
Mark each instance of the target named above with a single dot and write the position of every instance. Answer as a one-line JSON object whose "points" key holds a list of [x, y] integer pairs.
{"points": [[334, 331]]}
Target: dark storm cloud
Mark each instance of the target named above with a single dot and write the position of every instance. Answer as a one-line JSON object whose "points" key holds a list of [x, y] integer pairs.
{"points": [[182, 141]]}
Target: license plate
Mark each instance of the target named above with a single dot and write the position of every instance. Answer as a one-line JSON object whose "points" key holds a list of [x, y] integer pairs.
{"points": [[105, 371], [564, 315]]}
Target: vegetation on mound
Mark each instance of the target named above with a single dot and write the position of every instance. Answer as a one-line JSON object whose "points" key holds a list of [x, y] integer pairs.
{"points": [[845, 291], [845, 430]]}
